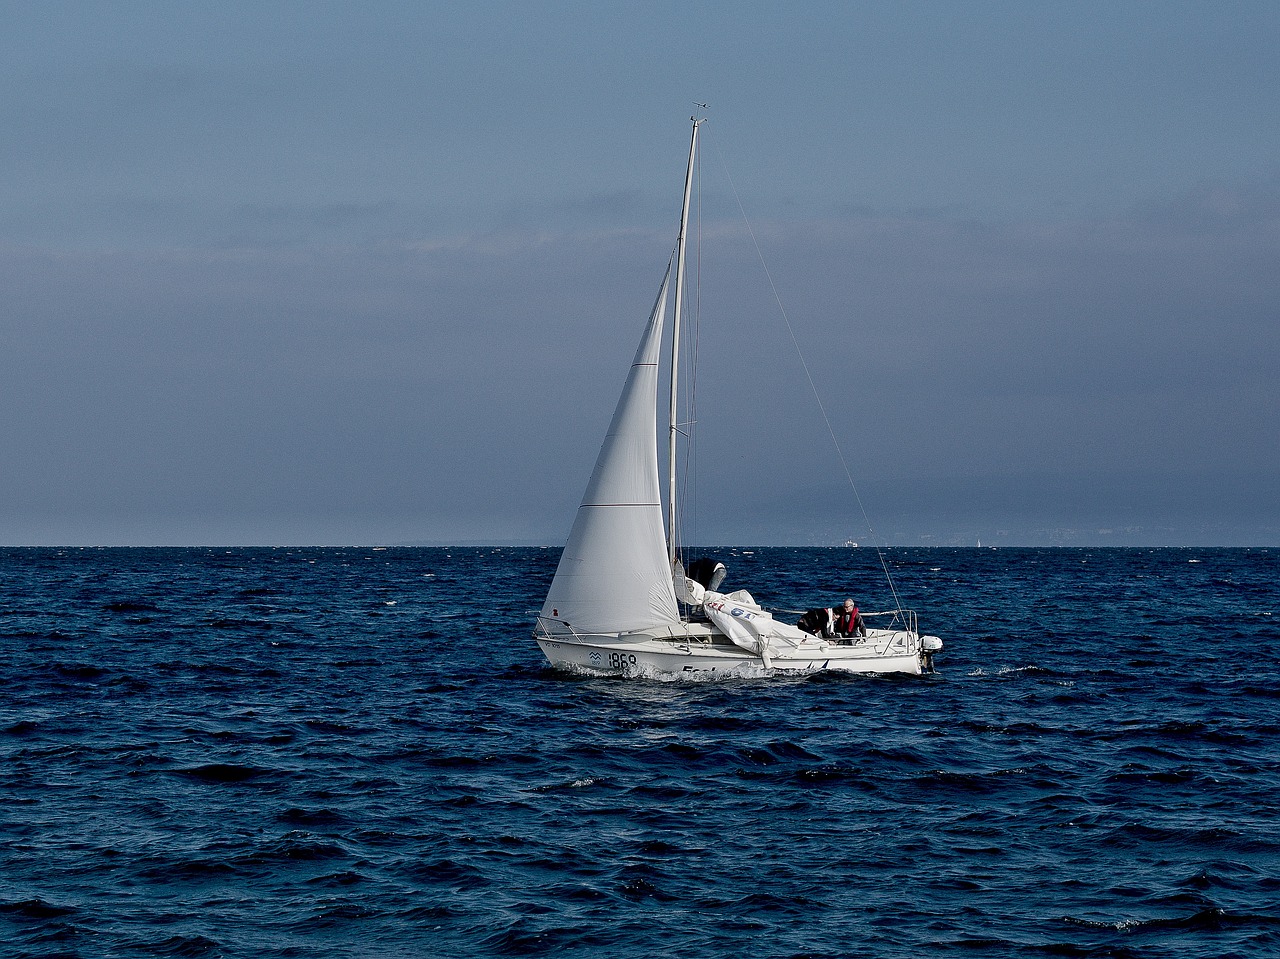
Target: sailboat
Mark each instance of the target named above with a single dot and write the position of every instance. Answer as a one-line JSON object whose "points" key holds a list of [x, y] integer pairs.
{"points": [[621, 601]]}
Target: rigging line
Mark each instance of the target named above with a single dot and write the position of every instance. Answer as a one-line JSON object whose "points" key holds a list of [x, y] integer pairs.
{"points": [[844, 464]]}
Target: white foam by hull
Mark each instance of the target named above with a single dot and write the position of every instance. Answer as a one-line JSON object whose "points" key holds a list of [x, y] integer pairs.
{"points": [[697, 648]]}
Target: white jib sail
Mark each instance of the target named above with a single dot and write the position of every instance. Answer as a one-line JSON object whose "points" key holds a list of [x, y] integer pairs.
{"points": [[613, 575]]}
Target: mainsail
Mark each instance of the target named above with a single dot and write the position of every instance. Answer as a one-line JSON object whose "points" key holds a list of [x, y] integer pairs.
{"points": [[613, 575]]}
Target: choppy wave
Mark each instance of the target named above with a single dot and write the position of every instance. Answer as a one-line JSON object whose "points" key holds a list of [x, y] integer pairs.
{"points": [[346, 752]]}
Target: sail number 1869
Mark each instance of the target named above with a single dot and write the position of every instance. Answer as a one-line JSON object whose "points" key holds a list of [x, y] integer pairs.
{"points": [[621, 660]]}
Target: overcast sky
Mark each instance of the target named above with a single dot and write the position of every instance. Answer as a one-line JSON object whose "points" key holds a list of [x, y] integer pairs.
{"points": [[329, 273]]}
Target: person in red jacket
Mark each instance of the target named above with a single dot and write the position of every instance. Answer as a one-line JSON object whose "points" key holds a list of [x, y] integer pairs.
{"points": [[847, 621], [844, 621]]}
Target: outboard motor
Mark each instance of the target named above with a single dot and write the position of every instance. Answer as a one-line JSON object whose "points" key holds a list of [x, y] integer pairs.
{"points": [[709, 572]]}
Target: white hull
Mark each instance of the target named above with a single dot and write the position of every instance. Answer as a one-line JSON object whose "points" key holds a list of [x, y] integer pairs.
{"points": [[697, 648]]}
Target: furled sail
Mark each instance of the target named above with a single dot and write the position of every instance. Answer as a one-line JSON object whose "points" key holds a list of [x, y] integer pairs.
{"points": [[613, 575], [748, 625]]}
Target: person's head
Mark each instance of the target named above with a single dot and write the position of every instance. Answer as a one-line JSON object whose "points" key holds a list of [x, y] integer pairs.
{"points": [[848, 605]]}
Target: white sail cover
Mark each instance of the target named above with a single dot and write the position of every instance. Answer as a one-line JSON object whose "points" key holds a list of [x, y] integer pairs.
{"points": [[613, 575], [755, 630]]}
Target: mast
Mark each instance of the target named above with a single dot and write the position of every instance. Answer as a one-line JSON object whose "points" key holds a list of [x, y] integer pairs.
{"points": [[675, 348]]}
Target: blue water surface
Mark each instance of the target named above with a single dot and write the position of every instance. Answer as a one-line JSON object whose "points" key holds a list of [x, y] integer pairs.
{"points": [[360, 752]]}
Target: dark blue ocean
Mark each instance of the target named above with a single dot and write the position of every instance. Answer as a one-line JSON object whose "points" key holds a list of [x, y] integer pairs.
{"points": [[360, 753]]}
